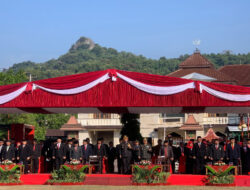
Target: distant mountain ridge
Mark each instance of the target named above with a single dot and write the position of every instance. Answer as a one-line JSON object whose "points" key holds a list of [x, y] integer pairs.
{"points": [[86, 56]]}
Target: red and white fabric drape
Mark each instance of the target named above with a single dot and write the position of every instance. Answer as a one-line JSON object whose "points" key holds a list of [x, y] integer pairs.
{"points": [[151, 84]]}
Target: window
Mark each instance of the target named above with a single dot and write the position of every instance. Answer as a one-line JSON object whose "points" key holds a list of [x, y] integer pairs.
{"points": [[217, 115], [172, 115], [171, 120], [102, 116]]}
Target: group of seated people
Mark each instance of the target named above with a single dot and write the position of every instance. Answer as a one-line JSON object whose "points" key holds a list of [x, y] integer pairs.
{"points": [[192, 156]]}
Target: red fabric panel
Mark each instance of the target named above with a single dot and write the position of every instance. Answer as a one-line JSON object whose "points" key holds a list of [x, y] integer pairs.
{"points": [[10, 88], [72, 81], [156, 80], [118, 94]]}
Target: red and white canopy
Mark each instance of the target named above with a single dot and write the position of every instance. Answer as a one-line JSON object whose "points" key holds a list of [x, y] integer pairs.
{"points": [[120, 91]]}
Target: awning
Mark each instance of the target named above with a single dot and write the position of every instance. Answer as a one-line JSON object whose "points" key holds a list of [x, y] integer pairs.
{"points": [[235, 129], [116, 91]]}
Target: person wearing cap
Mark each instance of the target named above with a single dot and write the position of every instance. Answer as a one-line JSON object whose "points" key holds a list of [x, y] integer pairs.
{"points": [[136, 152], [9, 152], [126, 154], [146, 150], [199, 156], [233, 152], [24, 155], [68, 148]]}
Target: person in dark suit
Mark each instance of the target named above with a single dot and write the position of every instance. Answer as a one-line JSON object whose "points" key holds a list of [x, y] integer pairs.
{"points": [[24, 155], [86, 151], [17, 147], [216, 152], [59, 153], [188, 151], [111, 157], [248, 157], [1, 150], [9, 152], [233, 152], [137, 152], [119, 160], [126, 155], [76, 152], [35, 156], [146, 150], [68, 148], [199, 156], [167, 151], [100, 151]]}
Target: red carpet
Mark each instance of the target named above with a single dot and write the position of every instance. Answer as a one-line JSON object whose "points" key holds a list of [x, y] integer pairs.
{"points": [[125, 180], [34, 179]]}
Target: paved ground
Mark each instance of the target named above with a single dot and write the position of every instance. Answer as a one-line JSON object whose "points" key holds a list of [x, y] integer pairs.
{"points": [[45, 187]]}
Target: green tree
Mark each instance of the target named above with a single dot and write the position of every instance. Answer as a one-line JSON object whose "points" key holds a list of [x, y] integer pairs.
{"points": [[131, 126]]}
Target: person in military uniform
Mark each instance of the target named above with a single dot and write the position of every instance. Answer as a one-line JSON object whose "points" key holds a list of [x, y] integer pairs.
{"points": [[137, 152], [216, 152], [146, 150], [126, 154]]}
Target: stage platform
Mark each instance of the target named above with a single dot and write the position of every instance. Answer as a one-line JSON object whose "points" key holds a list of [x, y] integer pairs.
{"points": [[125, 180]]}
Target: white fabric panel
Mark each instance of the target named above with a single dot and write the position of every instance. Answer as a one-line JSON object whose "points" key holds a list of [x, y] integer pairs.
{"points": [[158, 90], [225, 96], [8, 97], [75, 90]]}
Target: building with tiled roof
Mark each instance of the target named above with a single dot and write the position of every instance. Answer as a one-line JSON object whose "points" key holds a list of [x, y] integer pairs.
{"points": [[239, 72], [197, 67]]}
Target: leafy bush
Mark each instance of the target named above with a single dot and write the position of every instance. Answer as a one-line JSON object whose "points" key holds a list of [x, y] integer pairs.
{"points": [[149, 175], [219, 177], [68, 175], [10, 176]]}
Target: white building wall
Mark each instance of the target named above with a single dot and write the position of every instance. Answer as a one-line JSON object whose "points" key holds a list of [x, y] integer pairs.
{"points": [[82, 136]]}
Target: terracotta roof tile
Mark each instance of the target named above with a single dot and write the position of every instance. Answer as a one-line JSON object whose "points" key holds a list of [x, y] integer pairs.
{"points": [[197, 63], [196, 60], [240, 72], [219, 76], [72, 120], [191, 124], [191, 120]]}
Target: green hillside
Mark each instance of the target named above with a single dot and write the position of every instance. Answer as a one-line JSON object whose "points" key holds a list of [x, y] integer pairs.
{"points": [[85, 56]]}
